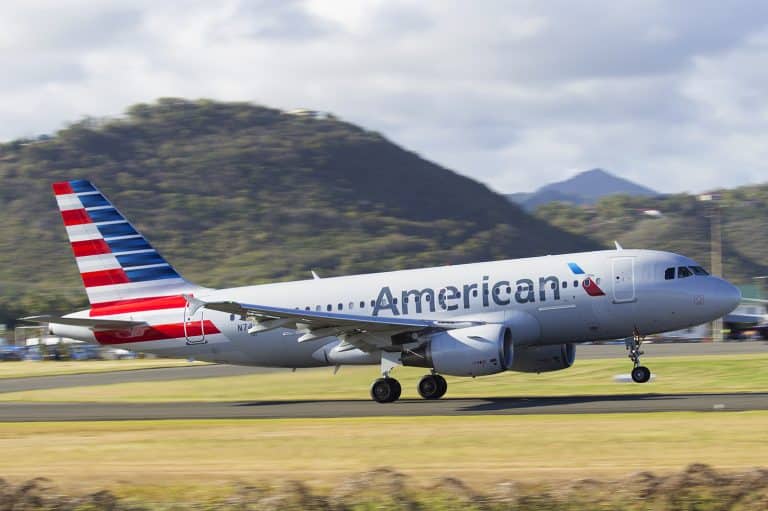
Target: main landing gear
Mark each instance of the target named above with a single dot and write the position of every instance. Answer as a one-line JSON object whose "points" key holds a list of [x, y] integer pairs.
{"points": [[387, 390], [640, 373], [432, 386]]}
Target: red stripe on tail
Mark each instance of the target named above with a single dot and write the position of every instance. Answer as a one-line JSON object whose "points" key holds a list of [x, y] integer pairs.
{"points": [[75, 217], [62, 188], [156, 332], [138, 305], [90, 247], [104, 277]]}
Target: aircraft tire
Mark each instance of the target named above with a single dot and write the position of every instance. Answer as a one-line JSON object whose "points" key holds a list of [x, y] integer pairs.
{"points": [[385, 390], [429, 387], [641, 374], [443, 386]]}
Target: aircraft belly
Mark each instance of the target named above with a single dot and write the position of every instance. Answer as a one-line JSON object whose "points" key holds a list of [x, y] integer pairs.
{"points": [[277, 348]]}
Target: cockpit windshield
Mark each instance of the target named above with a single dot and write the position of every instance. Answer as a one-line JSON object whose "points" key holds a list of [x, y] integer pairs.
{"points": [[684, 272]]}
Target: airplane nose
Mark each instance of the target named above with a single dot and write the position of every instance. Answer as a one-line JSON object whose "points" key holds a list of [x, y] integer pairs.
{"points": [[725, 296]]}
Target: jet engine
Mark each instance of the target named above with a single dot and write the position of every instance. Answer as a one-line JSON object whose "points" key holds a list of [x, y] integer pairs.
{"points": [[472, 351], [540, 359]]}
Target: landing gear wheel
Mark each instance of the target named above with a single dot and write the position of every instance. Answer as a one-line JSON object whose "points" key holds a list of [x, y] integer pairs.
{"points": [[386, 390], [432, 386], [641, 374], [443, 386]]}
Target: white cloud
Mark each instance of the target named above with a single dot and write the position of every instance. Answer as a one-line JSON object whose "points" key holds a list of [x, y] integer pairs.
{"points": [[671, 94]]}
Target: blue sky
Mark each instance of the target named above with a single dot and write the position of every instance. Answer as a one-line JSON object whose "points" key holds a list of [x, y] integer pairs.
{"points": [[673, 95]]}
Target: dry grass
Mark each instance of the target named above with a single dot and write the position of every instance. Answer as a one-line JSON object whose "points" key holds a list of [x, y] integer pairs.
{"points": [[29, 368], [163, 455]]}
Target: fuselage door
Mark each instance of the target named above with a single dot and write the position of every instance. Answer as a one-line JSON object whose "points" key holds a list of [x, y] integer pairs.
{"points": [[194, 326], [623, 279]]}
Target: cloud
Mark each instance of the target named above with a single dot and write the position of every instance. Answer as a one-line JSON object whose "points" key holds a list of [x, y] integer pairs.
{"points": [[671, 94]]}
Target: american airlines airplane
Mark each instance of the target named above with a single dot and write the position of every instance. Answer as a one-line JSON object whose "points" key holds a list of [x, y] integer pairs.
{"points": [[465, 320]]}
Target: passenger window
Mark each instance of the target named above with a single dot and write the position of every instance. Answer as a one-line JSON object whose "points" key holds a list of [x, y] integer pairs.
{"points": [[340, 306], [669, 274], [362, 305], [698, 270], [329, 307], [565, 284], [683, 272], [373, 303], [351, 305], [318, 308]]}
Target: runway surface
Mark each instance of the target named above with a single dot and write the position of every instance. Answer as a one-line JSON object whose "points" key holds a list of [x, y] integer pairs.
{"points": [[39, 412], [588, 351]]}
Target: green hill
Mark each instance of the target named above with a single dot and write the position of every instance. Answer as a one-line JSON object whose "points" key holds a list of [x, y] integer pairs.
{"points": [[234, 193], [683, 226]]}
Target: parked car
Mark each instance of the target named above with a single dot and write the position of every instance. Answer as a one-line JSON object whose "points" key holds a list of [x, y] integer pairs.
{"points": [[15, 353], [85, 352]]}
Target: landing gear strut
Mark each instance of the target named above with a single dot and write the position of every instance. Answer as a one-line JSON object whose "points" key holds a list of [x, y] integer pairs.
{"points": [[640, 373], [432, 386]]}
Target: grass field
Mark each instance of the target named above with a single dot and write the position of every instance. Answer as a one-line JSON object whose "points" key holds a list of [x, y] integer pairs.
{"points": [[36, 368], [711, 373], [480, 450]]}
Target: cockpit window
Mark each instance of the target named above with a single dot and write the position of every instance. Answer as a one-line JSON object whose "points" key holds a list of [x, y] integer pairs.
{"points": [[698, 270], [683, 272], [669, 274]]}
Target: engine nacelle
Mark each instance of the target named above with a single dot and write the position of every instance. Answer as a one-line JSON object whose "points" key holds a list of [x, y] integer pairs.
{"points": [[472, 351], [540, 359]]}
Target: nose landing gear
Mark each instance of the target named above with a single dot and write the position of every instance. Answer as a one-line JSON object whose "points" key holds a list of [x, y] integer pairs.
{"points": [[640, 373]]}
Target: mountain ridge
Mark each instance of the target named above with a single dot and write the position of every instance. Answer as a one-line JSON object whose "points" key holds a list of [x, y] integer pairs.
{"points": [[235, 193], [586, 187]]}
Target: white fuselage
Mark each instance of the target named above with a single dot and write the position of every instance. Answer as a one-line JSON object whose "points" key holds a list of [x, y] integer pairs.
{"points": [[630, 295]]}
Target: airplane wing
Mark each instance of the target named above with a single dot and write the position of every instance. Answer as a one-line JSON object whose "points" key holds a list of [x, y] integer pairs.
{"points": [[367, 333], [92, 323]]}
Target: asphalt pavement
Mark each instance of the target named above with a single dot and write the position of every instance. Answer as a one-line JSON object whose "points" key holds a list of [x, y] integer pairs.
{"points": [[715, 403]]}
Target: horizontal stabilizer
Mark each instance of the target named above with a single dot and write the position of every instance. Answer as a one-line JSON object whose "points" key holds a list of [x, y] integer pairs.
{"points": [[92, 323]]}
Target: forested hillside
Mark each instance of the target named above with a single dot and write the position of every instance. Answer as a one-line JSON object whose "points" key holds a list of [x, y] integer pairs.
{"points": [[682, 225], [234, 193]]}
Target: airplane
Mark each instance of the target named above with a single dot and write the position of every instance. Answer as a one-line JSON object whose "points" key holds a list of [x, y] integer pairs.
{"points": [[464, 320]]}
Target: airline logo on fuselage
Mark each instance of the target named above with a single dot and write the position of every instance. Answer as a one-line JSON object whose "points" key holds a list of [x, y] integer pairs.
{"points": [[500, 293]]}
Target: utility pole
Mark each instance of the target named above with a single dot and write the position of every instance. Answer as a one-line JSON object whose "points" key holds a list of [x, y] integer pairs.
{"points": [[715, 252]]}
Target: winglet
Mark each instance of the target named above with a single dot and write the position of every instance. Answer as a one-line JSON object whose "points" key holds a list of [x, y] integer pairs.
{"points": [[618, 247]]}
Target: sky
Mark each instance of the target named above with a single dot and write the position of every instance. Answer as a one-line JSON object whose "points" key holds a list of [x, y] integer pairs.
{"points": [[672, 95]]}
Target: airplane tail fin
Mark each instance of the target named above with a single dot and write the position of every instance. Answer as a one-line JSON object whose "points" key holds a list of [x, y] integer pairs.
{"points": [[115, 261]]}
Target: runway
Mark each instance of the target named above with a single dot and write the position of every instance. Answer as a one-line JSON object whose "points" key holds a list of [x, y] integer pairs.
{"points": [[583, 352], [43, 412]]}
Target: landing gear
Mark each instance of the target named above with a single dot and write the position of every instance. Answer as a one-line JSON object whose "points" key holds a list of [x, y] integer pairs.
{"points": [[640, 373], [386, 390], [432, 386]]}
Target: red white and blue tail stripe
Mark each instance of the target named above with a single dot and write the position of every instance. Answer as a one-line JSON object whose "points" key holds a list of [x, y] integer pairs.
{"points": [[115, 261]]}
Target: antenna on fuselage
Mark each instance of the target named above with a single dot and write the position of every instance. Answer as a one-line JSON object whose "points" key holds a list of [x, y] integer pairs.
{"points": [[315, 275], [618, 247]]}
